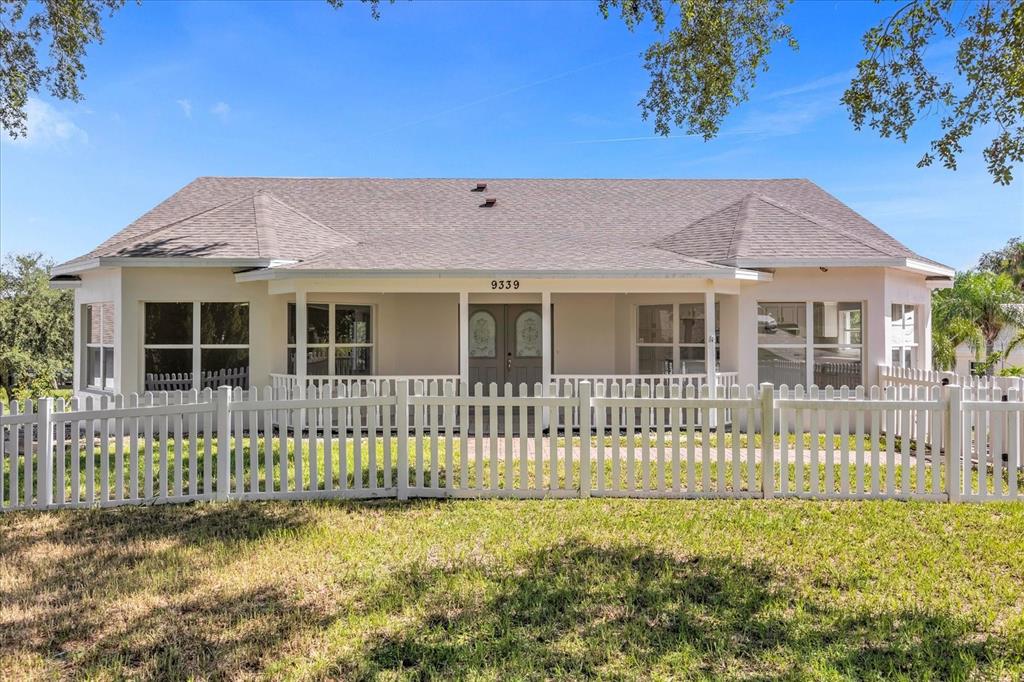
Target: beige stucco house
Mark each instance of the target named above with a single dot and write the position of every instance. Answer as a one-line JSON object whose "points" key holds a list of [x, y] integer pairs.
{"points": [[519, 281]]}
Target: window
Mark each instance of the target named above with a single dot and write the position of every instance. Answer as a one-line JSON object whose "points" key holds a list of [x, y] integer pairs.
{"points": [[185, 338], [99, 346], [664, 346], [903, 334], [528, 334], [818, 343], [339, 339], [482, 335]]}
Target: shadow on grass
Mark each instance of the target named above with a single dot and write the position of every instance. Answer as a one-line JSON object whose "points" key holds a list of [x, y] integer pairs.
{"points": [[578, 610], [572, 609], [87, 565]]}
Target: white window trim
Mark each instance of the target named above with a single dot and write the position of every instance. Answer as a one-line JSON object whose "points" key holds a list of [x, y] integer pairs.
{"points": [[332, 346], [87, 345], [808, 343], [902, 346], [675, 344], [196, 347]]}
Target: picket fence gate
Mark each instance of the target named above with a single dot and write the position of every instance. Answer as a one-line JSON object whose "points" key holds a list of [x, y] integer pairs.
{"points": [[441, 439]]}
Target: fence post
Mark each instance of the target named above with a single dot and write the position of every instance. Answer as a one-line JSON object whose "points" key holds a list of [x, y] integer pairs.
{"points": [[768, 440], [402, 426], [585, 391], [224, 441], [44, 452], [954, 440]]}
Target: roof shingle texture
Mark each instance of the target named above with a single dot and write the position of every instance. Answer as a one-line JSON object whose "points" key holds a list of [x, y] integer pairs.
{"points": [[536, 224]]}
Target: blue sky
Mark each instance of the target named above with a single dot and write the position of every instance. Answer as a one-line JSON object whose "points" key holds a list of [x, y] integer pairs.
{"points": [[476, 90]]}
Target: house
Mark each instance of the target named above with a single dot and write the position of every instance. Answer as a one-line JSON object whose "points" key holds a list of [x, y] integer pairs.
{"points": [[966, 356], [246, 280]]}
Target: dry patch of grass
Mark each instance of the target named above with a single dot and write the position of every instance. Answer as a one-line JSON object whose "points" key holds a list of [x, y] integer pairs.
{"points": [[501, 589]]}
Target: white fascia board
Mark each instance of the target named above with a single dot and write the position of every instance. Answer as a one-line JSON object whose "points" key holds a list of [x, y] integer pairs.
{"points": [[168, 262], [901, 263], [929, 268], [66, 284], [723, 274]]}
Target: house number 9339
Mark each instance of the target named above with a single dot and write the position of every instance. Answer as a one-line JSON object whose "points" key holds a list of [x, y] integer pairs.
{"points": [[502, 284]]}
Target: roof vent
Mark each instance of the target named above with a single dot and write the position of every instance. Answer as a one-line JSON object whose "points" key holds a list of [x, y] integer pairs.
{"points": [[480, 187], [489, 202]]}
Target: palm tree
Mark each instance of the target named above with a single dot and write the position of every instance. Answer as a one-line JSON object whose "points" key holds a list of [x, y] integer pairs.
{"points": [[974, 311]]}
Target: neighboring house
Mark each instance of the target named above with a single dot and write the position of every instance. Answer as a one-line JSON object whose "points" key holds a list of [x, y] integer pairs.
{"points": [[505, 280], [967, 357]]}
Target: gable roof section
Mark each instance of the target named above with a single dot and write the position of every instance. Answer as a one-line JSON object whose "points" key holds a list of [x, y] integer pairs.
{"points": [[571, 225]]}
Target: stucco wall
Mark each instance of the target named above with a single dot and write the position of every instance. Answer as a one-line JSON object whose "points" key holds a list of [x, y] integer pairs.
{"points": [[98, 286], [876, 288], [908, 288], [141, 285], [584, 333], [417, 333]]}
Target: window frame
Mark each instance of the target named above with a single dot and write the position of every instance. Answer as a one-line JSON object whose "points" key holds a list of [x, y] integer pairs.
{"points": [[87, 345], [676, 344], [809, 344], [332, 345], [900, 345], [196, 347]]}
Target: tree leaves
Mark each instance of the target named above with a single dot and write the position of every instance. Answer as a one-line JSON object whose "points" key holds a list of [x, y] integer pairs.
{"points": [[974, 311], [707, 64], [71, 26], [1009, 260], [36, 323], [895, 87]]}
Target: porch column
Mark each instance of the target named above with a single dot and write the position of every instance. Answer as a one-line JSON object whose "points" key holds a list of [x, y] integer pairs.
{"points": [[711, 371], [545, 353], [300, 336], [711, 342], [464, 337], [545, 337]]}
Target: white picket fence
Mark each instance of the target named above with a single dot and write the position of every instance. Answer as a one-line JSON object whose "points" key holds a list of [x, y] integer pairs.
{"points": [[907, 376], [451, 441]]}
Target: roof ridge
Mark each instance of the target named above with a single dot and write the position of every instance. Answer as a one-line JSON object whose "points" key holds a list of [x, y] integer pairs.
{"points": [[738, 233], [161, 228], [274, 197], [266, 239], [495, 178], [822, 222]]}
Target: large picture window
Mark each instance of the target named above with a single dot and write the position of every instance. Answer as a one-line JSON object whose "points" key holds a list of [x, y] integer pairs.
{"points": [[339, 339], [99, 346], [671, 338], [903, 334], [186, 339], [806, 343]]}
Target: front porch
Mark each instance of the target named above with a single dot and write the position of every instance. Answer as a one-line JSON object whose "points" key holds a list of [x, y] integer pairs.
{"points": [[498, 335]]}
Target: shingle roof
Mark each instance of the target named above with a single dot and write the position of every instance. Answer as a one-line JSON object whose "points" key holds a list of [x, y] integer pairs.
{"points": [[536, 224]]}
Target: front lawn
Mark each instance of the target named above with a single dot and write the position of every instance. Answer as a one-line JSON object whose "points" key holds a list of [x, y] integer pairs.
{"points": [[507, 589]]}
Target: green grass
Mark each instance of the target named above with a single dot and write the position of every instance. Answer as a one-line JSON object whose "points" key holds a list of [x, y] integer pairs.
{"points": [[619, 589], [194, 469]]}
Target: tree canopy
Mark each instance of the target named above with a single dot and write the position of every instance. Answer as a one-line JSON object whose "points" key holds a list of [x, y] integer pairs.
{"points": [[702, 67], [36, 326], [1008, 260]]}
